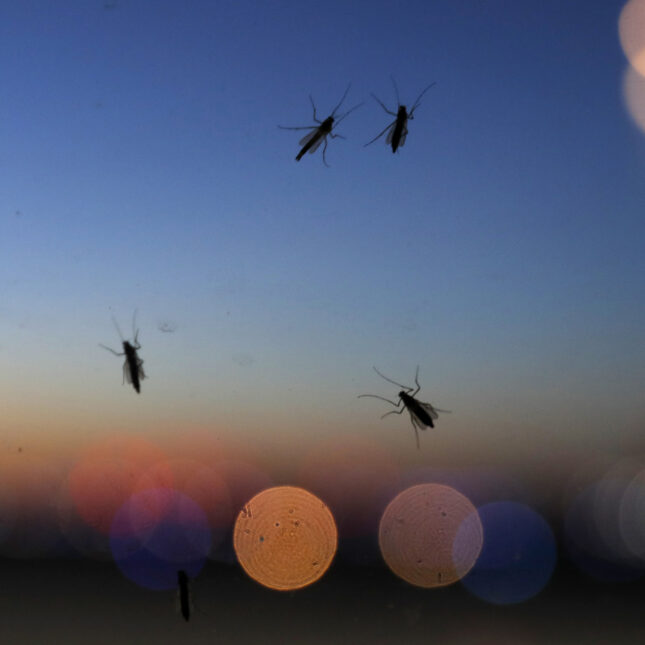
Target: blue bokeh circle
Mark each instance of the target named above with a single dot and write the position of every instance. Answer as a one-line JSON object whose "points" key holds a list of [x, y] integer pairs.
{"points": [[151, 546], [518, 556]]}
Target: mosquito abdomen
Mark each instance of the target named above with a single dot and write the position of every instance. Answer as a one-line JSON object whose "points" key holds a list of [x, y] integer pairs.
{"points": [[309, 144], [133, 365]]}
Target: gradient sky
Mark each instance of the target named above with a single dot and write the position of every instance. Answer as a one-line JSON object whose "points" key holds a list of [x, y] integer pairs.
{"points": [[501, 249]]}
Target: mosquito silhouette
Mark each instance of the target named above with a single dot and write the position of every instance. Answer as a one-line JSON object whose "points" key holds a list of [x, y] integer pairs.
{"points": [[319, 133], [185, 602], [398, 129], [421, 414], [133, 366]]}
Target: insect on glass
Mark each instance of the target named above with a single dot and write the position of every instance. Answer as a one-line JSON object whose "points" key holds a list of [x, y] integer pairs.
{"points": [[421, 414], [319, 133], [133, 365], [397, 131], [184, 594]]}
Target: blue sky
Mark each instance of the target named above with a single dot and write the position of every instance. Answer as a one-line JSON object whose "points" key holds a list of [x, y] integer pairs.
{"points": [[500, 249]]}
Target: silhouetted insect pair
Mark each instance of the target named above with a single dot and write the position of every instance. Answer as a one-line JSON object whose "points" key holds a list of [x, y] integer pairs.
{"points": [[133, 366], [398, 129], [421, 414]]}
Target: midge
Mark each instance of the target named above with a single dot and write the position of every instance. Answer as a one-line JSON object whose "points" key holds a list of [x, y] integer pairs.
{"points": [[421, 414], [398, 129], [185, 602], [319, 133], [133, 365]]}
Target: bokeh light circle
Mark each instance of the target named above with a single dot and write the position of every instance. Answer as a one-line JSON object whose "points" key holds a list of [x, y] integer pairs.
{"points": [[632, 516], [285, 538], [592, 517], [631, 30], [109, 472], [156, 533], [430, 535], [202, 484], [518, 557], [634, 94]]}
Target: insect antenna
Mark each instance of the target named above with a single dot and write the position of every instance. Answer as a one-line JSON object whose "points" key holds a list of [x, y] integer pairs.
{"points": [[341, 100], [418, 101], [396, 90], [342, 116], [304, 127], [135, 331], [375, 396], [118, 329], [405, 387]]}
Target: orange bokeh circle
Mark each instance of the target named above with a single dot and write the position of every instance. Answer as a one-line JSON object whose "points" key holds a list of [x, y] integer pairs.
{"points": [[430, 535], [285, 538]]}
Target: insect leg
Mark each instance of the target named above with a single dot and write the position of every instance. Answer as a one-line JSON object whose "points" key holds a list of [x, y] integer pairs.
{"points": [[394, 412], [416, 425], [324, 151], [416, 434], [304, 127]]}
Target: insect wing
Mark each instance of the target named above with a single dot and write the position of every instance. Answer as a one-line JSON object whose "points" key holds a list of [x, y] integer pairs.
{"points": [[308, 137], [316, 145], [142, 374], [403, 135], [127, 375], [127, 372], [429, 409], [388, 140], [416, 422]]}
